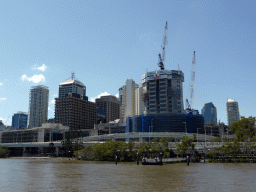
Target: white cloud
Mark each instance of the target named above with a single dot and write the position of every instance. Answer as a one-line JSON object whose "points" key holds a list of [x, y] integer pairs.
{"points": [[34, 78], [3, 99], [49, 108], [117, 95], [2, 119], [102, 94], [42, 68], [52, 101], [1, 84]]}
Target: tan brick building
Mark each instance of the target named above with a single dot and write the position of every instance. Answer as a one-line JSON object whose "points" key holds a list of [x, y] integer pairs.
{"points": [[111, 107]]}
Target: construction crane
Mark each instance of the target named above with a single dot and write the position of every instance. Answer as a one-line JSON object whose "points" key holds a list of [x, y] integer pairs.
{"points": [[7, 119], [189, 104], [162, 57]]}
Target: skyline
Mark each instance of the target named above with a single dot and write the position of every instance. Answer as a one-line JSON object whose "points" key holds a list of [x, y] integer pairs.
{"points": [[106, 43]]}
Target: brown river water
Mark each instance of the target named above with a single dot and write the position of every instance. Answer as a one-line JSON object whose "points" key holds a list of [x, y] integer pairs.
{"points": [[72, 175]]}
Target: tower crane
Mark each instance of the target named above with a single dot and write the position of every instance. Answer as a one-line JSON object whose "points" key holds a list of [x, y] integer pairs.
{"points": [[162, 57], [189, 104]]}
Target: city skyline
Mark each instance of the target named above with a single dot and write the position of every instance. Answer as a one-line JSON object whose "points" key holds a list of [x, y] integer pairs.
{"points": [[106, 43]]}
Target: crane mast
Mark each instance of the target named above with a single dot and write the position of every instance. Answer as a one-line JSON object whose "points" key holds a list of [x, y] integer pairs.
{"points": [[162, 58], [192, 79]]}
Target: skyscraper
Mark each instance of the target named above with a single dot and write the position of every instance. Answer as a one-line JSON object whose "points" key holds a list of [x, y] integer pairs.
{"points": [[127, 99], [72, 86], [19, 120], [72, 108], [232, 111], [38, 106], [163, 92], [110, 106], [209, 112], [75, 111]]}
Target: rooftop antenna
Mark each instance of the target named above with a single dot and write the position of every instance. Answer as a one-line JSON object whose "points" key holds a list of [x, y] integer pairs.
{"points": [[73, 75]]}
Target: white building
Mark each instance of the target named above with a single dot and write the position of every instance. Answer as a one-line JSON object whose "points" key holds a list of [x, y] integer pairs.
{"points": [[127, 100], [232, 111], [38, 106], [139, 103], [163, 92]]}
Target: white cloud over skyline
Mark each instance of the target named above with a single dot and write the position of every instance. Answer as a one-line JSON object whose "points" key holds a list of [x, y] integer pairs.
{"points": [[34, 78], [3, 98], [102, 94], [2, 119], [52, 101], [42, 68]]}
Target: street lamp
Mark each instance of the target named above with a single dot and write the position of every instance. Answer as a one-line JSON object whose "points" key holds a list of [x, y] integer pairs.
{"points": [[205, 137], [150, 128], [185, 127], [197, 136], [149, 133]]}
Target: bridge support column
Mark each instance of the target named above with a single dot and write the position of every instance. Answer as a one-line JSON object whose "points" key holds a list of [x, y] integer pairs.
{"points": [[23, 151], [57, 149]]}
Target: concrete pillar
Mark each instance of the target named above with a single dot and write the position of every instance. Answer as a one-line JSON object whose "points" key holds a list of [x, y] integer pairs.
{"points": [[57, 149], [23, 151]]}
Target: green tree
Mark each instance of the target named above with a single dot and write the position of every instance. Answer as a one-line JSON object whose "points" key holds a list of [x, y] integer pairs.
{"points": [[194, 137], [244, 129], [185, 144], [72, 141], [4, 152]]}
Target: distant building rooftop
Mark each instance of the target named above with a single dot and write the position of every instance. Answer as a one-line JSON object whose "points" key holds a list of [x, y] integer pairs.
{"points": [[72, 81]]}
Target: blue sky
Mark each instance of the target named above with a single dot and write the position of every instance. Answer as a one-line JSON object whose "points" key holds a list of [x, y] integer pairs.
{"points": [[107, 42]]}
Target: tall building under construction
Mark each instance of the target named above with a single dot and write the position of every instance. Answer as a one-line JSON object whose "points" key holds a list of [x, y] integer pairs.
{"points": [[163, 92]]}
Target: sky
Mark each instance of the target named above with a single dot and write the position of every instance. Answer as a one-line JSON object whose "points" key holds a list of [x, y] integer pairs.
{"points": [[107, 42]]}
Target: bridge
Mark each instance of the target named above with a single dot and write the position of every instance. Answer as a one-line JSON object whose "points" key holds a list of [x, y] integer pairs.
{"points": [[134, 135], [89, 141]]}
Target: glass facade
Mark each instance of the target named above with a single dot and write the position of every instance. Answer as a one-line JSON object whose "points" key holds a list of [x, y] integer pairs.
{"points": [[19, 120], [165, 123], [209, 112]]}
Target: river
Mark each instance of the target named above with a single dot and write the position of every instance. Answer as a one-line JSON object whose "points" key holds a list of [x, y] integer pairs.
{"points": [[72, 175]]}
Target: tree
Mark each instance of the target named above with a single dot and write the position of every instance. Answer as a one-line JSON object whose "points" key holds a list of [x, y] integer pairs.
{"points": [[72, 141], [185, 144], [4, 152], [194, 137], [244, 129]]}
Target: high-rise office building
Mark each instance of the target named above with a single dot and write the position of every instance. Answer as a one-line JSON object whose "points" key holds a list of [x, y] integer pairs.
{"points": [[75, 111], [209, 112], [232, 111], [72, 86], [20, 120], [72, 108], [38, 106], [127, 99], [163, 92], [110, 106]]}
